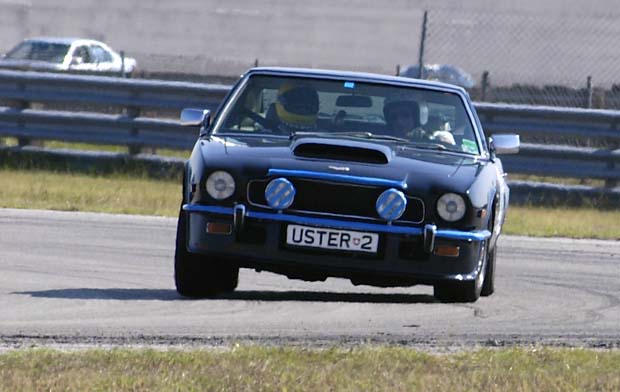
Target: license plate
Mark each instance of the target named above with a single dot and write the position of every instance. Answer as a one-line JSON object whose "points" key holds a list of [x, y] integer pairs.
{"points": [[315, 237]]}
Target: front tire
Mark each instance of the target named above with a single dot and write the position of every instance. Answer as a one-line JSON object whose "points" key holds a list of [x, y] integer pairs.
{"points": [[488, 287], [200, 276]]}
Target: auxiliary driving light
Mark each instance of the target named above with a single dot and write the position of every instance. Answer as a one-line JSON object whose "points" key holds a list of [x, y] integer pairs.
{"points": [[280, 193], [391, 204]]}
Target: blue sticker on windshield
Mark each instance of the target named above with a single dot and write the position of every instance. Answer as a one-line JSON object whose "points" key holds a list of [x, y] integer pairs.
{"points": [[349, 84]]}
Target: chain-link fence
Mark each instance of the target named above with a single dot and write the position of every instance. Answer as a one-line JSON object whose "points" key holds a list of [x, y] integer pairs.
{"points": [[521, 58], [532, 57]]}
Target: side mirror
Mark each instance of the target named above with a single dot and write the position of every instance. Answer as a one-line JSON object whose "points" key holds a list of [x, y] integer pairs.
{"points": [[195, 118], [504, 144]]}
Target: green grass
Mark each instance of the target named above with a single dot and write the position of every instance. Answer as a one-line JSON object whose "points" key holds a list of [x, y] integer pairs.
{"points": [[563, 222], [556, 180], [126, 194], [115, 148], [8, 141], [79, 192], [295, 369], [11, 141]]}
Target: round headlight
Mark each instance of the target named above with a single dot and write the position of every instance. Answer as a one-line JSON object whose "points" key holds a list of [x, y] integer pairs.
{"points": [[220, 185], [451, 207]]}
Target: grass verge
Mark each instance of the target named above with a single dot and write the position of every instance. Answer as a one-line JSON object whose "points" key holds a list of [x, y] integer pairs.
{"points": [[115, 148], [563, 222], [118, 193], [121, 193], [293, 369], [53, 144], [557, 180]]}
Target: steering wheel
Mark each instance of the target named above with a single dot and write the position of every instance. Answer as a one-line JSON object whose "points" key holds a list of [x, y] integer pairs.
{"points": [[265, 123]]}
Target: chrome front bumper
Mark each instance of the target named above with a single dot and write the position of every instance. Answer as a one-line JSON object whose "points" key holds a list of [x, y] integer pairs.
{"points": [[240, 213]]}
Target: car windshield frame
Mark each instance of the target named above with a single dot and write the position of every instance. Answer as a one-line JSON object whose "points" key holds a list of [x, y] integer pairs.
{"points": [[372, 118]]}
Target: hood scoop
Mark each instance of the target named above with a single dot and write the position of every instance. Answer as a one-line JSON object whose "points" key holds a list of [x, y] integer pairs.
{"points": [[342, 150]]}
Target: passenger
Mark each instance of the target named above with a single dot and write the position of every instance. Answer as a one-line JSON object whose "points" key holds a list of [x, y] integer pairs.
{"points": [[402, 116], [296, 108]]}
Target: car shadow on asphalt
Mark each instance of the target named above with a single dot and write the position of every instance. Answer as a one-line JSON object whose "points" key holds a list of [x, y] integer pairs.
{"points": [[323, 296], [241, 295], [106, 294]]}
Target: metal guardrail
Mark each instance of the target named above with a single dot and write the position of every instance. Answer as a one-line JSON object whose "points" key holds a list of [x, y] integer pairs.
{"points": [[20, 90], [584, 127], [96, 128], [134, 94], [548, 121], [21, 119]]}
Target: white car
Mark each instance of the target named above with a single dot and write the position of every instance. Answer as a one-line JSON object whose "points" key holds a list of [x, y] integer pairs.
{"points": [[67, 55]]}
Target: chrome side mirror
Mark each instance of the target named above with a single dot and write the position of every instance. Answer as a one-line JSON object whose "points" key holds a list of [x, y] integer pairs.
{"points": [[195, 117], [505, 144]]}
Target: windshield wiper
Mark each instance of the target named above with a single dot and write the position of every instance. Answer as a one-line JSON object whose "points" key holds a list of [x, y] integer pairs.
{"points": [[429, 146], [364, 135], [370, 135], [308, 133]]}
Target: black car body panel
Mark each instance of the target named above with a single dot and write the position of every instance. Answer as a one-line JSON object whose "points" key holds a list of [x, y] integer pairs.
{"points": [[337, 180]]}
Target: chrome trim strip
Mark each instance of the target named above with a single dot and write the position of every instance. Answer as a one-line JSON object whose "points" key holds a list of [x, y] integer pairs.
{"points": [[338, 178], [479, 235]]}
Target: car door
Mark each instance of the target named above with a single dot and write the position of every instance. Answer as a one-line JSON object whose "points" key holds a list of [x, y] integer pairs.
{"points": [[104, 62]]}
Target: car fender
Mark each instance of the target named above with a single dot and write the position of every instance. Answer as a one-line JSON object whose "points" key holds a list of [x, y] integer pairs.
{"points": [[486, 192]]}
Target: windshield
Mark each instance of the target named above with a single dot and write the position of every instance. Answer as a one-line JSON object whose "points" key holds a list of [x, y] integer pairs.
{"points": [[39, 51], [290, 106]]}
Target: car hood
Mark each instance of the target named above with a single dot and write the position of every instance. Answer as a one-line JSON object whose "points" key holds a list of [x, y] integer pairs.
{"points": [[421, 170]]}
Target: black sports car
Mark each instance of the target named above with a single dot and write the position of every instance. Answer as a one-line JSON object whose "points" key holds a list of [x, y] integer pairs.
{"points": [[386, 181]]}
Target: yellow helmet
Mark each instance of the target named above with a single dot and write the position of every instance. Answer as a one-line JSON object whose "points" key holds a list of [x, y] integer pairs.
{"points": [[297, 106]]}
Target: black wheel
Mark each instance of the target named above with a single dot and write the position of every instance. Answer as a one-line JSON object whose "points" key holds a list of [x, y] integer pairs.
{"points": [[488, 287], [484, 285], [200, 276], [465, 291]]}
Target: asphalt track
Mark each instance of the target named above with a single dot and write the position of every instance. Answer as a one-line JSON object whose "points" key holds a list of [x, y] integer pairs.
{"points": [[81, 280]]}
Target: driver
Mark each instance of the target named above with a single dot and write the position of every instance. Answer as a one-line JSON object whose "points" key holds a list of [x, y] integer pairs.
{"points": [[402, 116], [296, 108]]}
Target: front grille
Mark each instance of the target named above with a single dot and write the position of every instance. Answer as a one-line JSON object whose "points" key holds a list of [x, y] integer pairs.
{"points": [[323, 197]]}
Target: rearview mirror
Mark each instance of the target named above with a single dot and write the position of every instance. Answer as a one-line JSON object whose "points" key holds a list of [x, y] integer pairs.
{"points": [[195, 117], [354, 101], [505, 144]]}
